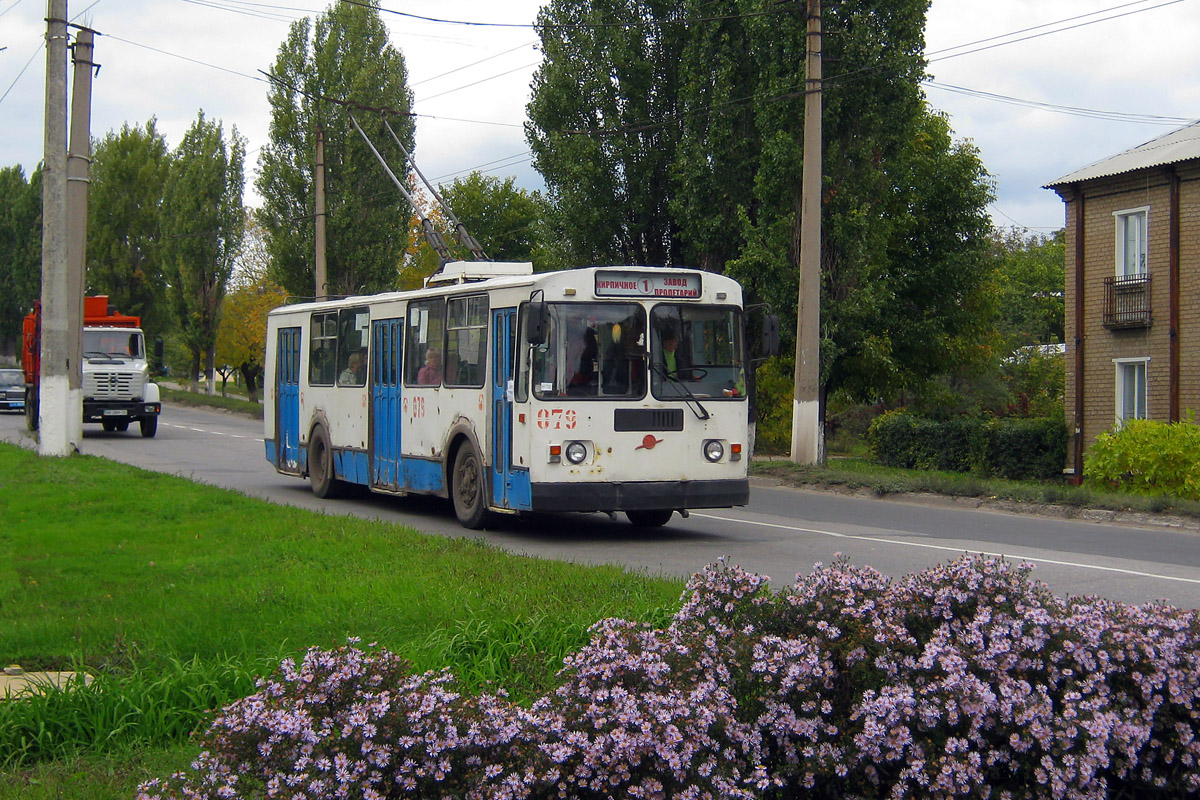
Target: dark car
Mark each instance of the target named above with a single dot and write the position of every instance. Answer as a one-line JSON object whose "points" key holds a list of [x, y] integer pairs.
{"points": [[12, 390]]}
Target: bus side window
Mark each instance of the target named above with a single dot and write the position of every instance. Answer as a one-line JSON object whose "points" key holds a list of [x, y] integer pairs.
{"points": [[423, 334], [466, 340], [322, 350]]}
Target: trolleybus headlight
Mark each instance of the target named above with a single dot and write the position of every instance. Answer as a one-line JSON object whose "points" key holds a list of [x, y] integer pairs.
{"points": [[576, 452], [714, 451]]}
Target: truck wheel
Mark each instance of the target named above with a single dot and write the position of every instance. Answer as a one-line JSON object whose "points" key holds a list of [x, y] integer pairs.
{"points": [[149, 426], [320, 466], [31, 408], [467, 488], [654, 518]]}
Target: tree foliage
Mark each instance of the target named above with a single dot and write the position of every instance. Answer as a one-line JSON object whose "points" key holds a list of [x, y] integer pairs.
{"points": [[509, 223], [344, 58], [20, 250], [683, 120], [242, 335], [124, 256], [1030, 270], [608, 80], [204, 218]]}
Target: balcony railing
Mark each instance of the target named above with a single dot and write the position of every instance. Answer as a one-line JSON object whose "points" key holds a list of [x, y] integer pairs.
{"points": [[1127, 302]]}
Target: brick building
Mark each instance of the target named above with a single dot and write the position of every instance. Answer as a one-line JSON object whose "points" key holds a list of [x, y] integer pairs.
{"points": [[1132, 287]]}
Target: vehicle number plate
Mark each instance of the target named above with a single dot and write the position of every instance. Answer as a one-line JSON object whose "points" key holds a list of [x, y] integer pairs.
{"points": [[114, 412]]}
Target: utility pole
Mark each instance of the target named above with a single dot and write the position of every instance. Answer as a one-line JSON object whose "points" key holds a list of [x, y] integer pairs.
{"points": [[79, 160], [322, 289], [807, 445], [56, 365]]}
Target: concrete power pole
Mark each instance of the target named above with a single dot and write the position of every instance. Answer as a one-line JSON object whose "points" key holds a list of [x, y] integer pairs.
{"points": [[54, 411], [322, 290], [806, 407], [79, 160]]}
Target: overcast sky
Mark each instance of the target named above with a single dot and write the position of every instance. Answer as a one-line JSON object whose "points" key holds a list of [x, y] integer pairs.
{"points": [[1041, 87]]}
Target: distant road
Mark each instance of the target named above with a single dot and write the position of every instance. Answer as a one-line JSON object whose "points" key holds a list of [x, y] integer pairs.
{"points": [[781, 533]]}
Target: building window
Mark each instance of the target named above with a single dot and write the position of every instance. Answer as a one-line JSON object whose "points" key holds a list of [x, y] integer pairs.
{"points": [[1131, 388], [1131, 242]]}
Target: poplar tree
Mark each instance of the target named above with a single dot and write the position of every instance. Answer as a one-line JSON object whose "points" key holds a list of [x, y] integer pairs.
{"points": [[203, 224], [20, 250], [125, 192], [342, 65]]}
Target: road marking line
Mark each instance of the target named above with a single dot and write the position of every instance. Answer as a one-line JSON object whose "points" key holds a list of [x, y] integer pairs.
{"points": [[213, 433], [958, 550]]}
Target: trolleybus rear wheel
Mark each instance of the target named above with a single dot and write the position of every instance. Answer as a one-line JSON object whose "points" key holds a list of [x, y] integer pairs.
{"points": [[320, 465], [653, 518], [467, 488]]}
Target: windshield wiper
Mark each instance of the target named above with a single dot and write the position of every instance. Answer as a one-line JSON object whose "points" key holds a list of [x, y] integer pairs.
{"points": [[693, 402]]}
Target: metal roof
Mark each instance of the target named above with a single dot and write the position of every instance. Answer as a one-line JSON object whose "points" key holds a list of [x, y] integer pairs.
{"points": [[1171, 148]]}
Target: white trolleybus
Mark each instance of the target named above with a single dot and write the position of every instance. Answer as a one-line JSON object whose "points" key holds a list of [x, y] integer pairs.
{"points": [[596, 389]]}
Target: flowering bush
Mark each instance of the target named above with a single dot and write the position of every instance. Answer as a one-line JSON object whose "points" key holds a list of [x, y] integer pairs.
{"points": [[966, 680]]}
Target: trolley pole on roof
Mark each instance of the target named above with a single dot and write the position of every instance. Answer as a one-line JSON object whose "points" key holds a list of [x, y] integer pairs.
{"points": [[464, 236], [806, 405], [431, 235]]}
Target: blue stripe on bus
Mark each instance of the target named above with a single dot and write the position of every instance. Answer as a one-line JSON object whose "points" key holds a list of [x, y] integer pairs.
{"points": [[270, 443], [422, 475], [351, 466], [520, 493]]}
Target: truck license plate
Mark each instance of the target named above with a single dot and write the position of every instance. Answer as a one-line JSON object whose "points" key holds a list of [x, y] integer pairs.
{"points": [[114, 412]]}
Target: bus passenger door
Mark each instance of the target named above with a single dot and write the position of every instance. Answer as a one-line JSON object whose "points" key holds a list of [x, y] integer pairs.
{"points": [[385, 404], [510, 485], [287, 400]]}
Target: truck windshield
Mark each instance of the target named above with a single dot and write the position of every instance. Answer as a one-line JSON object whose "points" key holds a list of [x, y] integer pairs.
{"points": [[112, 344]]}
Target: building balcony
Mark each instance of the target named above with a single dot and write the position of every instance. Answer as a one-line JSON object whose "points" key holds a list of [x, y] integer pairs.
{"points": [[1127, 302]]}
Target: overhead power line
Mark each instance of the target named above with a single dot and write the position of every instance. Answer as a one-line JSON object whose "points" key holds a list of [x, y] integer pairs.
{"points": [[1114, 116], [995, 41]]}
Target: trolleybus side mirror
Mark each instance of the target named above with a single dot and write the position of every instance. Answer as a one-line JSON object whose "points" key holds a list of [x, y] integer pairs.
{"points": [[770, 335], [537, 320]]}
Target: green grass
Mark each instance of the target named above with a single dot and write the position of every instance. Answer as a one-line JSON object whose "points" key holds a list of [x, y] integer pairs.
{"points": [[236, 403], [860, 473], [175, 594]]}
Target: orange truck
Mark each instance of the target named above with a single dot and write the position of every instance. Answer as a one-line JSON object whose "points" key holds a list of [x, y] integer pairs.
{"points": [[116, 376]]}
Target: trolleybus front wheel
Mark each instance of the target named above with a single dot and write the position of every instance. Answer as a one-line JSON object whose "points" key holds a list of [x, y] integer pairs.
{"points": [[654, 518], [467, 488], [320, 465]]}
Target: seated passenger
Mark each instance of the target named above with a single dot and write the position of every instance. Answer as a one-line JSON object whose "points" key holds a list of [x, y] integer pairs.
{"points": [[355, 373], [431, 373]]}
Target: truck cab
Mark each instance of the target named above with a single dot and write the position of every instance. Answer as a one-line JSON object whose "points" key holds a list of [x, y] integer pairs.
{"points": [[116, 380], [115, 373]]}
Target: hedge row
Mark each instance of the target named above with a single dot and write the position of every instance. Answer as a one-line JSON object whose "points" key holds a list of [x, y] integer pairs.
{"points": [[1149, 457], [966, 680], [1010, 447]]}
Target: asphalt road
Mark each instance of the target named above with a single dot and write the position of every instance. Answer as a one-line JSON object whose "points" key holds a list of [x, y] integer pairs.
{"points": [[781, 533]]}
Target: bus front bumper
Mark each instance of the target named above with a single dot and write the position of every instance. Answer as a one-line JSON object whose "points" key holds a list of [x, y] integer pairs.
{"points": [[640, 495]]}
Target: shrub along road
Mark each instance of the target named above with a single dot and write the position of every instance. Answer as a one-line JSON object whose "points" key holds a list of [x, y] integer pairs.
{"points": [[781, 533]]}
